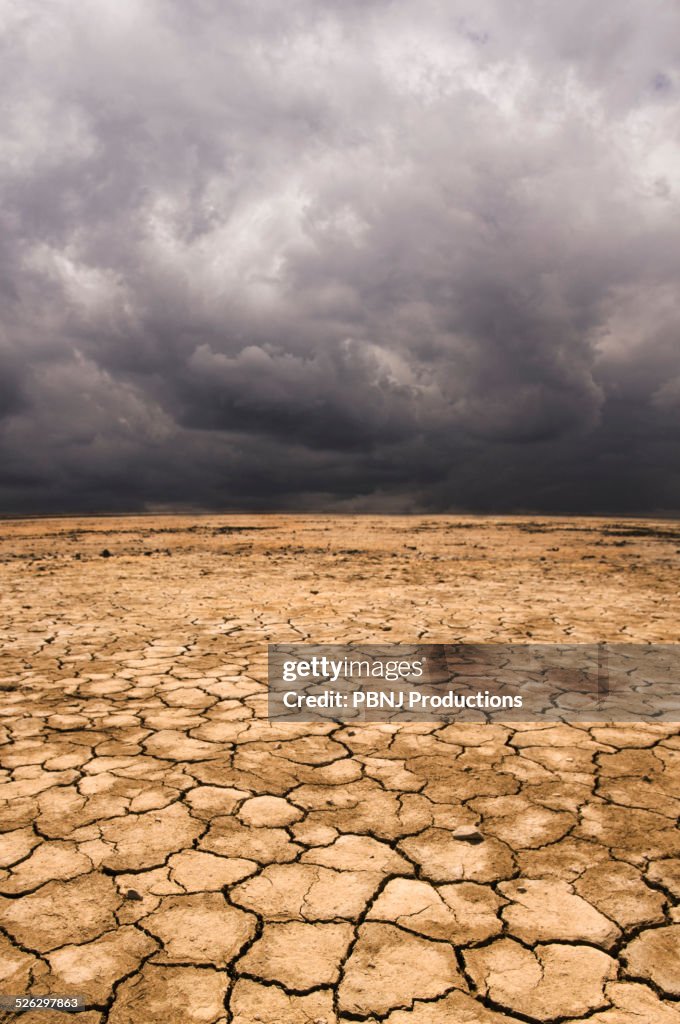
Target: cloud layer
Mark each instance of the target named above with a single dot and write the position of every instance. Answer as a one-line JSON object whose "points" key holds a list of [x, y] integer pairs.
{"points": [[327, 254]]}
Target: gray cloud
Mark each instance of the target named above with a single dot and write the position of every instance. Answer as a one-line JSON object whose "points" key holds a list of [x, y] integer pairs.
{"points": [[352, 255]]}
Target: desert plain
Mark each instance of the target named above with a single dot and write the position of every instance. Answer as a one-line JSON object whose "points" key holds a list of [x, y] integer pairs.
{"points": [[170, 855]]}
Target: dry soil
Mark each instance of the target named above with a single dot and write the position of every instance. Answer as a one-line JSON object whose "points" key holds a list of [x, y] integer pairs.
{"points": [[173, 857]]}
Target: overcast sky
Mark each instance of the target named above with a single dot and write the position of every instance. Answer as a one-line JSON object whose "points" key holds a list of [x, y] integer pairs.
{"points": [[340, 254]]}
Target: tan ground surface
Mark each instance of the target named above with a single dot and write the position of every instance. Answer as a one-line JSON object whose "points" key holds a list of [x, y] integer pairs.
{"points": [[172, 856]]}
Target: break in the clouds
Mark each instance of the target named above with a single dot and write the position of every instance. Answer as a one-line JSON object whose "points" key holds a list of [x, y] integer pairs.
{"points": [[325, 254]]}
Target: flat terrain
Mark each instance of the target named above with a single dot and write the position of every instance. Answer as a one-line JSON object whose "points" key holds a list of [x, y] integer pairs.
{"points": [[173, 857]]}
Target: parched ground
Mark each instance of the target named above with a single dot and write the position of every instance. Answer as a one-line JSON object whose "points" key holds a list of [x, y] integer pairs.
{"points": [[173, 857]]}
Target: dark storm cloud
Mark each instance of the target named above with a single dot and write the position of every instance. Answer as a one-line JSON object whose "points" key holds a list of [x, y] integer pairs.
{"points": [[323, 254]]}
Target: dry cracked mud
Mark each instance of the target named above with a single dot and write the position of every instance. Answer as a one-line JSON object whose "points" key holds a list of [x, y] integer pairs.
{"points": [[172, 856]]}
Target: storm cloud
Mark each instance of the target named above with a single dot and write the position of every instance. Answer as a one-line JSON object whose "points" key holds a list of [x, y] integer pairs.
{"points": [[340, 255]]}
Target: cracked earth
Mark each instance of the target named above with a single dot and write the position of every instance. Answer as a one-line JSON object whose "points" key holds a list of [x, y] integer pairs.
{"points": [[172, 856]]}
